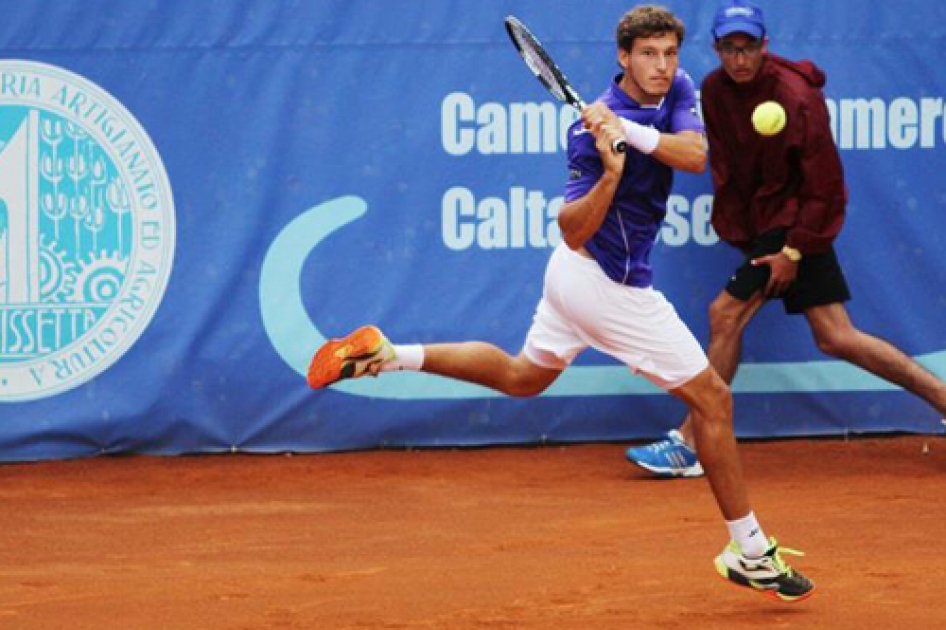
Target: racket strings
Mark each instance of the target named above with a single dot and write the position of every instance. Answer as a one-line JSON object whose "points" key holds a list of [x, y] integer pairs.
{"points": [[539, 64], [548, 77]]}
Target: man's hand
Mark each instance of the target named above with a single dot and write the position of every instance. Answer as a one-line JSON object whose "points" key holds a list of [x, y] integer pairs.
{"points": [[782, 273], [606, 128]]}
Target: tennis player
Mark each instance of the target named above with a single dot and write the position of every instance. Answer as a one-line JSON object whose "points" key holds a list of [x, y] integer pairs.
{"points": [[781, 201], [598, 288]]}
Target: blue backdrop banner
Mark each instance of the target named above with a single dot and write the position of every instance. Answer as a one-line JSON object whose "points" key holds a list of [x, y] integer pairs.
{"points": [[194, 196]]}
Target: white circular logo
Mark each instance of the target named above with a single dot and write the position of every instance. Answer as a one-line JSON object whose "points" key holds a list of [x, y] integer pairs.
{"points": [[87, 230]]}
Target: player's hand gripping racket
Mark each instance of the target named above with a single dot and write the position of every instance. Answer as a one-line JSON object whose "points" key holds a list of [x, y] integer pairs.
{"points": [[546, 71]]}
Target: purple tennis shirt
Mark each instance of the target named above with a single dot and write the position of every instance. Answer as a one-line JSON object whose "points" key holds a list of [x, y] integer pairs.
{"points": [[623, 243]]}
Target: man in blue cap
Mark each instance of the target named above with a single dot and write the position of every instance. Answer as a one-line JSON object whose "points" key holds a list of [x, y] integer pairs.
{"points": [[780, 200]]}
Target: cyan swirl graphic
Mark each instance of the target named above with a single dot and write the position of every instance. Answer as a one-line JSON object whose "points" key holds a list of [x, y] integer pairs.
{"points": [[287, 322]]}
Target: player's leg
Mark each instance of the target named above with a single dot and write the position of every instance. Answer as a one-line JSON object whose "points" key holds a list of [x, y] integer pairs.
{"points": [[728, 317], [835, 335], [366, 351], [644, 331], [751, 559], [675, 455], [487, 365], [729, 314], [710, 403], [550, 346]]}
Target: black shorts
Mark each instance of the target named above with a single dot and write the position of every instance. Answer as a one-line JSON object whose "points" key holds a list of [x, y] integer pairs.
{"points": [[820, 278]]}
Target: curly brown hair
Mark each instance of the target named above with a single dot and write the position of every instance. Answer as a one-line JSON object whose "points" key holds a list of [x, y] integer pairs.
{"points": [[648, 20]]}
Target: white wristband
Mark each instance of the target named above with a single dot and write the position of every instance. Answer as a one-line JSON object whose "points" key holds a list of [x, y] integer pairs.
{"points": [[644, 139]]}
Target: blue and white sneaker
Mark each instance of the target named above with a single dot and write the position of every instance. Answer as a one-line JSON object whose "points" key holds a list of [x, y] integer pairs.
{"points": [[669, 457]]}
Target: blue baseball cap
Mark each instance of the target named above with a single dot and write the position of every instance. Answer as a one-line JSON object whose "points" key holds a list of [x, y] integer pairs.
{"points": [[738, 16]]}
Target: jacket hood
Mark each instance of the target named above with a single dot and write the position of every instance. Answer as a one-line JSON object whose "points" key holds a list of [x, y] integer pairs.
{"points": [[805, 69]]}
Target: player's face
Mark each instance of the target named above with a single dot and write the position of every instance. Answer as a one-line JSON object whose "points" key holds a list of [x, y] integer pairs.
{"points": [[649, 67], [741, 55]]}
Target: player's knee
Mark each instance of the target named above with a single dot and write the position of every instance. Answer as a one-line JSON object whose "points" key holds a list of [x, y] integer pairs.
{"points": [[715, 407], [521, 386], [711, 399], [520, 390], [525, 381]]}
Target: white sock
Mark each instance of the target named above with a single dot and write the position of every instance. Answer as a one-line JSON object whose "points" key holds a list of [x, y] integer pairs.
{"points": [[747, 532], [406, 357]]}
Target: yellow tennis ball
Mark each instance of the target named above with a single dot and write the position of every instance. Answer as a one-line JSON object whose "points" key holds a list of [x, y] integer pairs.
{"points": [[769, 118]]}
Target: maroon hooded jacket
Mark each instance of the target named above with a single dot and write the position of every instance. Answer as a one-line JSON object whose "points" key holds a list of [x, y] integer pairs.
{"points": [[792, 180]]}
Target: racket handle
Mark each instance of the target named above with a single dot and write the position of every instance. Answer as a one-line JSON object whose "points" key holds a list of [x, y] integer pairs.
{"points": [[619, 146]]}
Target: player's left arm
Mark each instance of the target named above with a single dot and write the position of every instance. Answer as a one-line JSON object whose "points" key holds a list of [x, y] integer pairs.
{"points": [[684, 150]]}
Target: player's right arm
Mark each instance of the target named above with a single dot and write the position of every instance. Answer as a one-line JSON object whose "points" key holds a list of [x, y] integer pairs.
{"points": [[580, 218]]}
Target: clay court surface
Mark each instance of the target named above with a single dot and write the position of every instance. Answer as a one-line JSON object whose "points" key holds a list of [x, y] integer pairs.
{"points": [[556, 537]]}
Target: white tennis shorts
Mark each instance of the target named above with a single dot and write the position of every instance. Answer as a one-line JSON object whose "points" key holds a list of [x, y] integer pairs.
{"points": [[582, 307]]}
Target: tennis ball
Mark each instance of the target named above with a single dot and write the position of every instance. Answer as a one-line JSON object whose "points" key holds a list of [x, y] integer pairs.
{"points": [[769, 118]]}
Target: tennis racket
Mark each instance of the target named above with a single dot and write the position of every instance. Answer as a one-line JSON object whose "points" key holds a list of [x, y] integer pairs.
{"points": [[546, 71]]}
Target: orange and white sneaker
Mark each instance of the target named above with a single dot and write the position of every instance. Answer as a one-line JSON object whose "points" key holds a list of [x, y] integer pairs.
{"points": [[362, 352]]}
